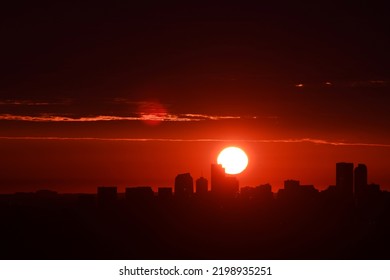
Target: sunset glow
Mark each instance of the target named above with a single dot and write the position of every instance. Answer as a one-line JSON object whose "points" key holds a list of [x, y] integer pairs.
{"points": [[163, 95]]}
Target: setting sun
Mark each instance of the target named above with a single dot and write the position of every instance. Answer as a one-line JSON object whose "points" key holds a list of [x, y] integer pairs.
{"points": [[233, 159]]}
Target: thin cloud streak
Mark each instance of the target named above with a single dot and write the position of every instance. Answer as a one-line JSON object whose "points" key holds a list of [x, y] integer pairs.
{"points": [[345, 84], [27, 102], [300, 140], [140, 117]]}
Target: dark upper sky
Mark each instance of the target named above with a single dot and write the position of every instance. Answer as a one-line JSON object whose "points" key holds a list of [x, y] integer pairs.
{"points": [[211, 71], [224, 59], [96, 49]]}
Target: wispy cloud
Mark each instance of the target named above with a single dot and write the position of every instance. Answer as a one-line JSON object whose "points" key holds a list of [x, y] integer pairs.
{"points": [[210, 117], [139, 117], [298, 140], [346, 84], [28, 102], [321, 142]]}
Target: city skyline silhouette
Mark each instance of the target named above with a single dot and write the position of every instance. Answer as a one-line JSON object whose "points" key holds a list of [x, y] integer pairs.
{"points": [[349, 220], [350, 182]]}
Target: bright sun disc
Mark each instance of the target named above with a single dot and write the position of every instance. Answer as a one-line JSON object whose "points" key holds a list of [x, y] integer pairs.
{"points": [[233, 159]]}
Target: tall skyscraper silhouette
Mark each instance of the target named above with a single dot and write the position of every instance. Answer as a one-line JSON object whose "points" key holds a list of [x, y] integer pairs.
{"points": [[222, 184], [201, 186], [360, 180], [217, 177], [344, 179], [184, 185]]}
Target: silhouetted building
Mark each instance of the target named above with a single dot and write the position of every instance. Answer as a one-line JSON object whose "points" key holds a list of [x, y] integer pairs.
{"points": [[217, 177], [360, 183], [309, 191], [221, 184], [106, 195], [265, 188], [374, 188], [87, 200], [184, 185], [46, 194], [369, 198], [294, 191], [247, 193], [201, 186], [142, 194], [291, 185], [330, 192], [264, 193], [164, 193], [231, 185], [344, 179]]}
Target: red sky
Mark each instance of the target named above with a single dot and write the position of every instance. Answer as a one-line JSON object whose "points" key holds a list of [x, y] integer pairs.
{"points": [[80, 165], [299, 87]]}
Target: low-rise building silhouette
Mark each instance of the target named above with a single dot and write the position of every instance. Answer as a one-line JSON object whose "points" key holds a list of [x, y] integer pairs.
{"points": [[344, 179], [247, 193], [291, 185], [264, 192], [294, 191], [106, 196], [138, 195], [261, 194], [164, 193], [184, 185]]}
